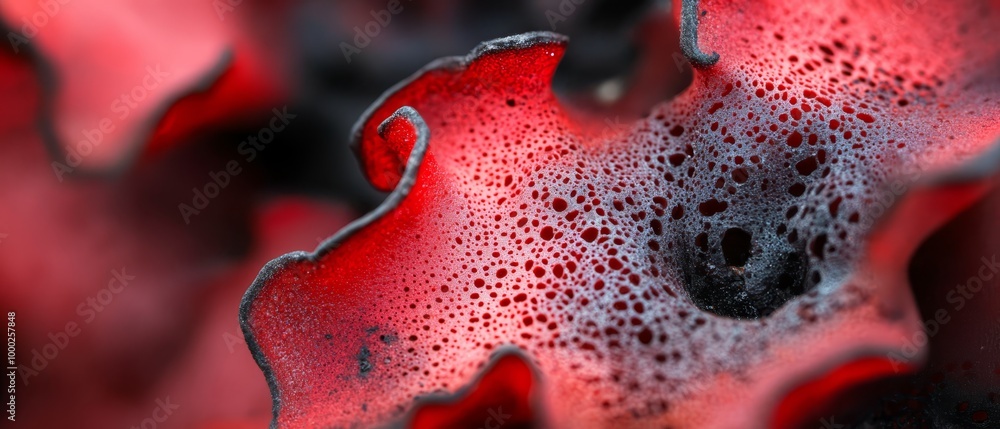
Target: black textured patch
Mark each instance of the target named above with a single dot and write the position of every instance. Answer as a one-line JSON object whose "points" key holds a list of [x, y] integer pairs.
{"points": [[364, 362]]}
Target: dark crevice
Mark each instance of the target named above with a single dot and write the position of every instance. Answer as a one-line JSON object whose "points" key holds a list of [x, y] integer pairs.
{"points": [[736, 247], [736, 275]]}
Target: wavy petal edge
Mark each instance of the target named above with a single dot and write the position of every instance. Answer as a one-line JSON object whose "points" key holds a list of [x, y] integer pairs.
{"points": [[454, 64], [391, 202]]}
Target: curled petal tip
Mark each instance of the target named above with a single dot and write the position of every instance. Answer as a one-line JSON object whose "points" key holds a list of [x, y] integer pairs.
{"points": [[689, 36]]}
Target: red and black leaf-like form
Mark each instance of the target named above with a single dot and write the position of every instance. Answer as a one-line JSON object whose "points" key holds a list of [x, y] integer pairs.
{"points": [[744, 246]]}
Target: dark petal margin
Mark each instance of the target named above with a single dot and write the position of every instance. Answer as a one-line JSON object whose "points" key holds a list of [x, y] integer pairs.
{"points": [[403, 188], [453, 64], [501, 380], [689, 36]]}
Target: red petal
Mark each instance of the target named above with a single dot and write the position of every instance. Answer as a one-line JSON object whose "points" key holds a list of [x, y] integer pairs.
{"points": [[447, 86], [811, 402], [954, 281], [113, 78], [345, 346], [502, 396], [604, 255], [170, 332]]}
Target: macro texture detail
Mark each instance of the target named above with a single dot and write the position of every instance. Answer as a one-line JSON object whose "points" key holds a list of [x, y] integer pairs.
{"points": [[724, 252]]}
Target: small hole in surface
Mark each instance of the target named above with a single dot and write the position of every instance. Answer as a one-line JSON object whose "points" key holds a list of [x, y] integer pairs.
{"points": [[736, 247]]}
